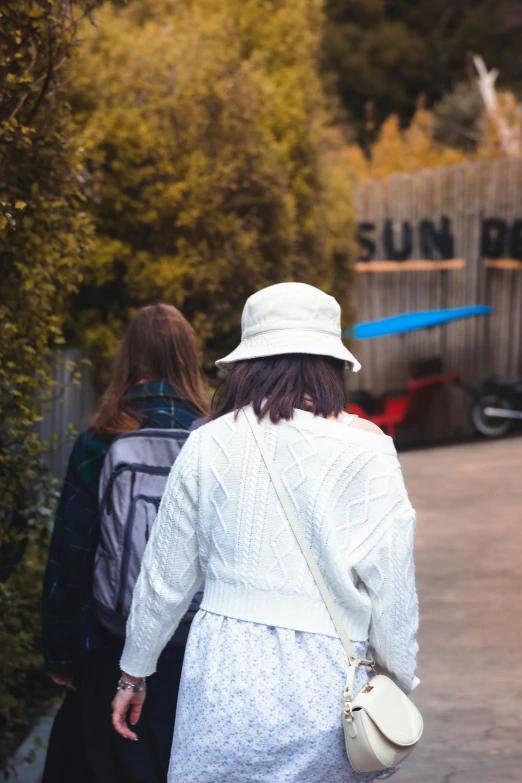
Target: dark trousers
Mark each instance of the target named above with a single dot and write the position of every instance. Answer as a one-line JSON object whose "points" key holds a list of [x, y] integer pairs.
{"points": [[83, 724], [66, 760]]}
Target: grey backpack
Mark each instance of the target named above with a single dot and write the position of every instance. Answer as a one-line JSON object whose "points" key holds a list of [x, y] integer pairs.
{"points": [[133, 479]]}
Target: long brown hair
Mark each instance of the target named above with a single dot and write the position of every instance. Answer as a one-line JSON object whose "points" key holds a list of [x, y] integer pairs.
{"points": [[159, 345], [275, 385]]}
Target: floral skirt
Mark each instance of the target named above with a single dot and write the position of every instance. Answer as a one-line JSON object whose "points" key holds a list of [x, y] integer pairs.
{"points": [[259, 704]]}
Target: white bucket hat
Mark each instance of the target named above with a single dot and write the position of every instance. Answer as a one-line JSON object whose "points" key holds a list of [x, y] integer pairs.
{"points": [[290, 318]]}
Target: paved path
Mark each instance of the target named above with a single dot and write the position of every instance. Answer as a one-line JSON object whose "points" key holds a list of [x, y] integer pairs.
{"points": [[469, 571], [29, 760]]}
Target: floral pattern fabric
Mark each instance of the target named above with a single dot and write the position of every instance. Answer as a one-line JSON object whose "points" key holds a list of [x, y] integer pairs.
{"points": [[261, 704]]}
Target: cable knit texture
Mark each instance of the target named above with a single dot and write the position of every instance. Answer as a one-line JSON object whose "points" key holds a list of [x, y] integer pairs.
{"points": [[220, 519]]}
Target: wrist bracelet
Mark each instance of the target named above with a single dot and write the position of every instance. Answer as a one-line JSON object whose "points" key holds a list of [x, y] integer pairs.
{"points": [[135, 687]]}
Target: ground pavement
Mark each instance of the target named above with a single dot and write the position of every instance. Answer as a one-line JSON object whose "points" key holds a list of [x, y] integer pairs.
{"points": [[469, 573]]}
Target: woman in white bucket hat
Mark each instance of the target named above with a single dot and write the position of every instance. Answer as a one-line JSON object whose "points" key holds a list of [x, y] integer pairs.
{"points": [[261, 692]]}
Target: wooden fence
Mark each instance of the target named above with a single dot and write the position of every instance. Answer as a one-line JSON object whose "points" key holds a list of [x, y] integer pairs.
{"points": [[70, 409], [455, 239]]}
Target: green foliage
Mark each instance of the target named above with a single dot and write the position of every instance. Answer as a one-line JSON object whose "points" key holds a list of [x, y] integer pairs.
{"points": [[411, 149], [212, 169], [439, 138], [22, 683], [457, 118], [43, 230], [389, 52], [44, 233]]}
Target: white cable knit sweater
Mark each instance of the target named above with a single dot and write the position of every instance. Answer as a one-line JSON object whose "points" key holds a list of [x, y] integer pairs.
{"points": [[220, 519]]}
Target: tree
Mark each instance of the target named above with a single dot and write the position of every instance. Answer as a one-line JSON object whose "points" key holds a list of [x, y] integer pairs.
{"points": [[458, 116], [389, 52], [419, 145], [212, 168], [397, 150], [44, 233]]}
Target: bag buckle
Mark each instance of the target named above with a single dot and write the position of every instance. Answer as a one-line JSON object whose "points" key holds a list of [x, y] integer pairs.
{"points": [[368, 662]]}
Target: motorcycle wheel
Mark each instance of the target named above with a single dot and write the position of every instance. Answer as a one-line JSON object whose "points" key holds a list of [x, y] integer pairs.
{"points": [[491, 426]]}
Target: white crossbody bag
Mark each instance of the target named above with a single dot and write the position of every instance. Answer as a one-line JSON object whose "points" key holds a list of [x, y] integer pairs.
{"points": [[381, 725]]}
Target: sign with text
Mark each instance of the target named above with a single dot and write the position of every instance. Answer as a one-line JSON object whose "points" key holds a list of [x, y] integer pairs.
{"points": [[434, 240]]}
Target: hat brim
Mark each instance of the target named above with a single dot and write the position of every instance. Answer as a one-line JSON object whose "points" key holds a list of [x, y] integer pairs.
{"points": [[281, 342]]}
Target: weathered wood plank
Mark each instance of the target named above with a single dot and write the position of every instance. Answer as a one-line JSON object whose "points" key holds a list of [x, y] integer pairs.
{"points": [[467, 194]]}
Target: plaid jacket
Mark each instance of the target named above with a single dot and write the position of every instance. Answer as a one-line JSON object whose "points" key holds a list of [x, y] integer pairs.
{"points": [[69, 627]]}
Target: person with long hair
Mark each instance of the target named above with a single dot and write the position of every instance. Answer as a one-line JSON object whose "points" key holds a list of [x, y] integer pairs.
{"points": [[156, 384], [262, 688]]}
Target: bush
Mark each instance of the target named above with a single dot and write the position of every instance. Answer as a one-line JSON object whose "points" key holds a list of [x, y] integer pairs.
{"points": [[44, 238], [22, 681], [212, 167]]}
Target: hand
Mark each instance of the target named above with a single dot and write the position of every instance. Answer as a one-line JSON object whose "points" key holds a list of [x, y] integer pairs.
{"points": [[64, 681], [123, 701]]}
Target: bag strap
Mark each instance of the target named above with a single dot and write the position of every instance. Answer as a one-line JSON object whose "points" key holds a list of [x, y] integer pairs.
{"points": [[301, 540]]}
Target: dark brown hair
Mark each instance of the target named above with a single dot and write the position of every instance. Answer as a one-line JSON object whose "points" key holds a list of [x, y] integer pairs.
{"points": [[159, 345], [275, 385]]}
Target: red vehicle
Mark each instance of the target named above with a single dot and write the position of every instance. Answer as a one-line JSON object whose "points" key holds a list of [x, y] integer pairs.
{"points": [[391, 408], [424, 377]]}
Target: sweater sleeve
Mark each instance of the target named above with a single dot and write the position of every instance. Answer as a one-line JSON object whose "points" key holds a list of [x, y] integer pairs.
{"points": [[388, 573], [170, 571]]}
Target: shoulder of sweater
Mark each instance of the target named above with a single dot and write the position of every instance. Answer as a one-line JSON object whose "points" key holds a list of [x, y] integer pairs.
{"points": [[364, 434], [227, 421], [358, 432]]}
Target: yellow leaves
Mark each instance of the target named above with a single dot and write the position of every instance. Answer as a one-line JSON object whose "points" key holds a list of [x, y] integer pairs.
{"points": [[398, 150], [43, 242], [414, 148], [203, 123]]}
